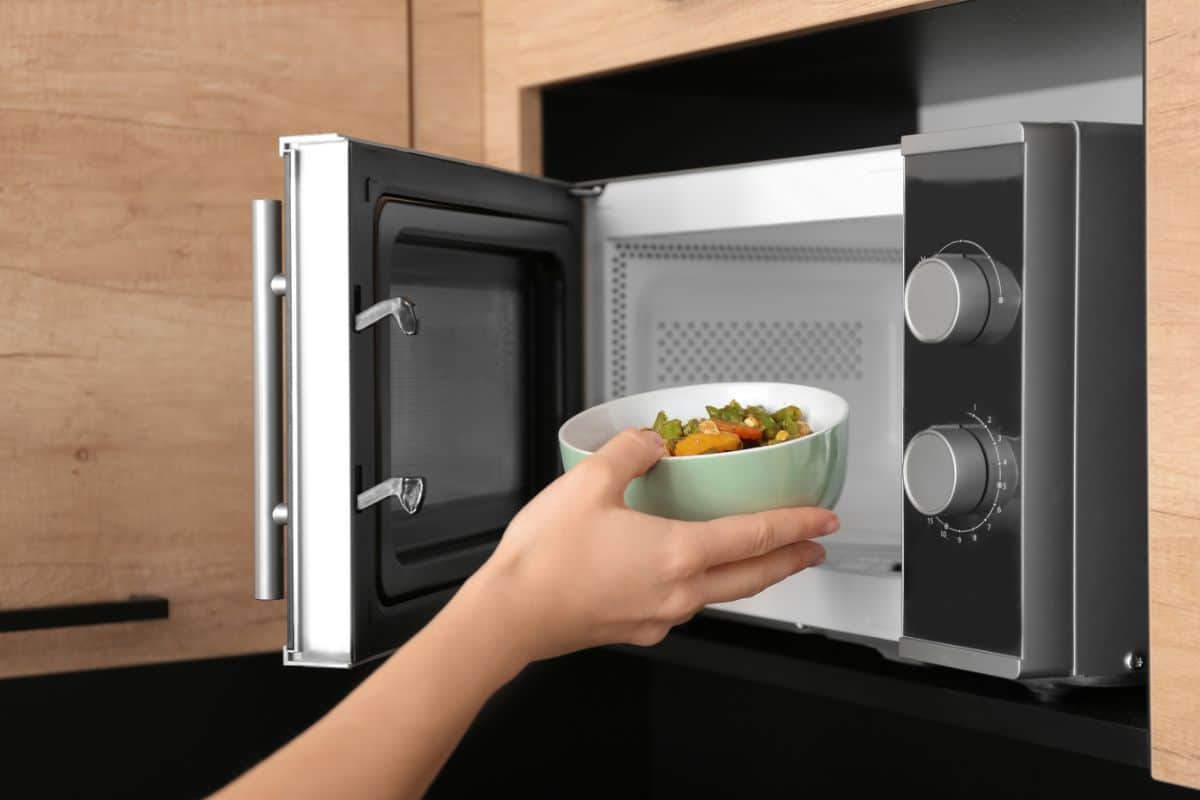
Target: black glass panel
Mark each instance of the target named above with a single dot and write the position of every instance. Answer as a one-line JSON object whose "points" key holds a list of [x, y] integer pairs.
{"points": [[962, 575], [458, 399], [491, 259], [472, 401]]}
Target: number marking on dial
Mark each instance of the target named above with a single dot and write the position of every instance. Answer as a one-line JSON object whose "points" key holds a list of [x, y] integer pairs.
{"points": [[1001, 485]]}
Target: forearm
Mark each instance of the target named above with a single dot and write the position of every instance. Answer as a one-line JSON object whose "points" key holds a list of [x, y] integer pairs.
{"points": [[391, 736], [576, 568]]}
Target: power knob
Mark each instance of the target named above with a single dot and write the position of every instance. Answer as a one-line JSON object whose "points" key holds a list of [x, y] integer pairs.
{"points": [[945, 471], [946, 299]]}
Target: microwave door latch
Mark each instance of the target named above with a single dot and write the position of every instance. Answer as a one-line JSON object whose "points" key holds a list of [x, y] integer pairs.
{"points": [[409, 491], [400, 309]]}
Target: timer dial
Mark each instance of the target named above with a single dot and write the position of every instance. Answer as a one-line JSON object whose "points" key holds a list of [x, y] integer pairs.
{"points": [[945, 471]]}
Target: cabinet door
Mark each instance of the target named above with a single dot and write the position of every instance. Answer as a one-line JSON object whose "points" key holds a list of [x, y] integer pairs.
{"points": [[131, 137], [433, 348]]}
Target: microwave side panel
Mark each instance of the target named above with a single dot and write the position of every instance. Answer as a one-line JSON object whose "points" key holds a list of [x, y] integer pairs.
{"points": [[1110, 548], [317, 336], [806, 252]]}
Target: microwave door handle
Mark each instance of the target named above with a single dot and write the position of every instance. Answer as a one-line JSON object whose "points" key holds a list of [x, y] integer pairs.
{"points": [[270, 513]]}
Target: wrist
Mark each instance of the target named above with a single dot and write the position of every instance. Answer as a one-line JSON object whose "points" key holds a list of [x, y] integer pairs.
{"points": [[478, 622]]}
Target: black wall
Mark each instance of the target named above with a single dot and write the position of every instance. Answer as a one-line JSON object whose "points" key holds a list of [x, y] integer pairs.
{"points": [[834, 89]]}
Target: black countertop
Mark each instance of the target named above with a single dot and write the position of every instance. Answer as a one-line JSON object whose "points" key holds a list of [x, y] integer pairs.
{"points": [[1106, 723]]}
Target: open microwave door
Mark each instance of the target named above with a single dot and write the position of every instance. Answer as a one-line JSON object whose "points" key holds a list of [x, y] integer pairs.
{"points": [[433, 347]]}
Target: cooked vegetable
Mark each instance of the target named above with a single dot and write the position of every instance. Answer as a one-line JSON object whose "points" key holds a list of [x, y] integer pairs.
{"points": [[700, 443], [744, 431], [668, 429], [730, 427]]}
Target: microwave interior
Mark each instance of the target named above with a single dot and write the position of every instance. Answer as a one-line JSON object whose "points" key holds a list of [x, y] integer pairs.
{"points": [[790, 271], [724, 218]]}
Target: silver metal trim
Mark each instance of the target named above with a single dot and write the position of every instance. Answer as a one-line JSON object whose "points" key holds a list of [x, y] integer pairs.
{"points": [[948, 655], [717, 171], [291, 214], [1047, 380], [410, 491], [400, 309], [290, 143], [268, 436], [320, 493], [964, 139], [293, 658]]}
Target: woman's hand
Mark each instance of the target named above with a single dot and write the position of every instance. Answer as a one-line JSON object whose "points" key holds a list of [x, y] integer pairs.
{"points": [[577, 568]]}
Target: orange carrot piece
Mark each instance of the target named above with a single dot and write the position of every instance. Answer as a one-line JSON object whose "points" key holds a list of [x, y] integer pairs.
{"points": [[743, 431]]}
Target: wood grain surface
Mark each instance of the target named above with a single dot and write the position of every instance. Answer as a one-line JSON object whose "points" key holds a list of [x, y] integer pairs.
{"points": [[133, 136], [447, 77], [1173, 237]]}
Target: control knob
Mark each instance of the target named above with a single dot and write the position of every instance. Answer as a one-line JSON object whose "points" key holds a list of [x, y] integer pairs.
{"points": [[945, 471], [957, 299]]}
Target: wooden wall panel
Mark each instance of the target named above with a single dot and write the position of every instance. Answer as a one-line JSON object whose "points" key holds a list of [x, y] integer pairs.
{"points": [[447, 77], [534, 43], [1173, 236], [133, 136]]}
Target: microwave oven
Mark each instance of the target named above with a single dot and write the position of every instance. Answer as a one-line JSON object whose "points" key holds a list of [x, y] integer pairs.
{"points": [[976, 295]]}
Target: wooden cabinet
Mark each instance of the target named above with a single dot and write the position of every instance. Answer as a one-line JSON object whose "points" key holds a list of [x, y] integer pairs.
{"points": [[132, 139], [447, 77], [1173, 237]]}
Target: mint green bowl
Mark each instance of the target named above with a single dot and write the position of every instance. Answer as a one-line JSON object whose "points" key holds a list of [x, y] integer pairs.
{"points": [[808, 471]]}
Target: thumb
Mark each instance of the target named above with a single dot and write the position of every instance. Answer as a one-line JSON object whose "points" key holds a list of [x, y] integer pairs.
{"points": [[628, 455]]}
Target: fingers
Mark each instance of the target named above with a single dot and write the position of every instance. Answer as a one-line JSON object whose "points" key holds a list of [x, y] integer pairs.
{"points": [[749, 535], [626, 456], [749, 577]]}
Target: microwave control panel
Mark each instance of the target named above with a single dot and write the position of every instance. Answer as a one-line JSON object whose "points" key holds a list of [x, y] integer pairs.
{"points": [[964, 250]]}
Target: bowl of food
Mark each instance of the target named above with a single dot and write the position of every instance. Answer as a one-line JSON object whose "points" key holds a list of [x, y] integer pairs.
{"points": [[731, 448]]}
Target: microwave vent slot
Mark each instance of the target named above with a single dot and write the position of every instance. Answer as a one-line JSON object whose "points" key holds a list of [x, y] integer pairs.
{"points": [[689, 338], [705, 351]]}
